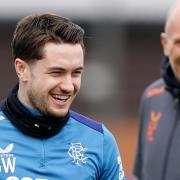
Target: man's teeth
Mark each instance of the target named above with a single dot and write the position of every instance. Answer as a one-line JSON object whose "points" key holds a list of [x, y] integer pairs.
{"points": [[60, 97]]}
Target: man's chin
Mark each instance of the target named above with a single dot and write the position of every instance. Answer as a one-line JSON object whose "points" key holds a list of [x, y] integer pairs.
{"points": [[59, 114]]}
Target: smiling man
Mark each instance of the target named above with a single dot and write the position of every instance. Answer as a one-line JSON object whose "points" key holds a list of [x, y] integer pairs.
{"points": [[51, 84], [40, 137]]}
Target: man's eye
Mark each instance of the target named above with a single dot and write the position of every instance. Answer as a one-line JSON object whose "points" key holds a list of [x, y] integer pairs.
{"points": [[177, 42], [77, 73], [55, 73]]}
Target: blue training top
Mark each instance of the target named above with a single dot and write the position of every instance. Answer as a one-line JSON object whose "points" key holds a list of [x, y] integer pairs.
{"points": [[82, 150]]}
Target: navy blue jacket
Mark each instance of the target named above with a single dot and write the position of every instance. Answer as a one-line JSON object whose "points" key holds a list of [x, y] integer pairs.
{"points": [[158, 150]]}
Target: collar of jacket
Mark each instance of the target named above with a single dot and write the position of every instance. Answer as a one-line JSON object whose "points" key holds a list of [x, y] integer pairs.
{"points": [[43, 126], [172, 84]]}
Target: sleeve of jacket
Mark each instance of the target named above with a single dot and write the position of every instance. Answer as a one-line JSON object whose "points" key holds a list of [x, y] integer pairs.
{"points": [[112, 166], [137, 171]]}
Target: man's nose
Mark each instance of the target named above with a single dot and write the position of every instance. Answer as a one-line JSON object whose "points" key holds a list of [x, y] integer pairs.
{"points": [[67, 84]]}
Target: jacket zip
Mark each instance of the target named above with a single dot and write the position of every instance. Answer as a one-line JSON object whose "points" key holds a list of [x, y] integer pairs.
{"points": [[43, 157], [177, 107]]}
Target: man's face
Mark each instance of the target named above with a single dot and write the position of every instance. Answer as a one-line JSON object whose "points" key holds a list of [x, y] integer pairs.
{"points": [[171, 45], [55, 80]]}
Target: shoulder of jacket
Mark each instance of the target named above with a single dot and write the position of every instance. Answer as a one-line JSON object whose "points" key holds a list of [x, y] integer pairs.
{"points": [[155, 88], [87, 121]]}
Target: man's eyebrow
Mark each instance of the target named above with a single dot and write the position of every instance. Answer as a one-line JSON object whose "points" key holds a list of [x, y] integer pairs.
{"points": [[63, 69], [55, 69], [80, 68]]}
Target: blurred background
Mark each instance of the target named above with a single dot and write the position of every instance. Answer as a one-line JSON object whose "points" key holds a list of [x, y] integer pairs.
{"points": [[123, 56]]}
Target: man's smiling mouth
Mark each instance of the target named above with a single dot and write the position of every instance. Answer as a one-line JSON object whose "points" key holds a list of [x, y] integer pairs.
{"points": [[62, 98]]}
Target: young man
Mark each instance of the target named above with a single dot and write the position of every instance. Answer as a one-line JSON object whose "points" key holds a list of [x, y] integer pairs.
{"points": [[40, 138], [159, 138]]}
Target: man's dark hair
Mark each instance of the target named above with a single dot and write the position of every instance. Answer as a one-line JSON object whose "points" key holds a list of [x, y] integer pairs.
{"points": [[33, 32]]}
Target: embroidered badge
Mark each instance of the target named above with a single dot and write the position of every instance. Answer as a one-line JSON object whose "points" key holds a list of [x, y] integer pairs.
{"points": [[152, 125], [7, 159], [155, 91], [77, 153], [8, 149]]}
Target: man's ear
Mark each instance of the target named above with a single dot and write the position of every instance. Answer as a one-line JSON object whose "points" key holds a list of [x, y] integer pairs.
{"points": [[164, 43], [21, 68]]}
